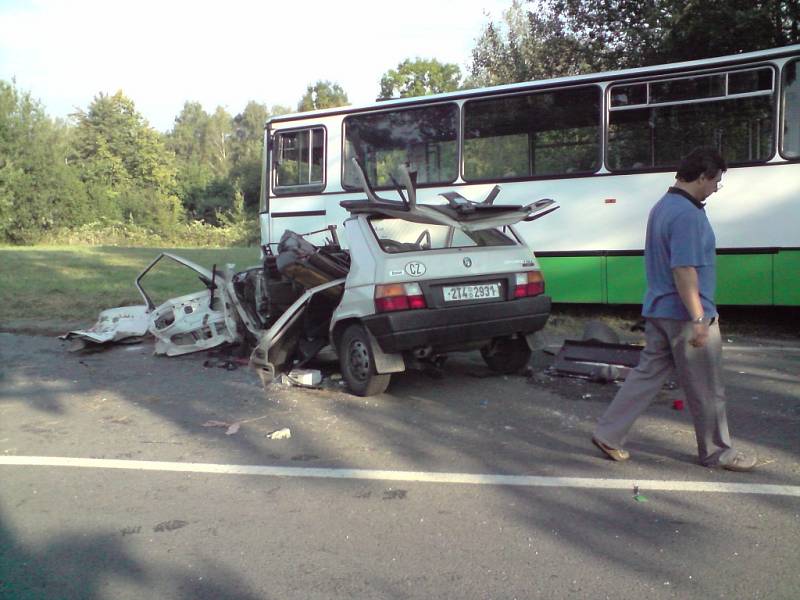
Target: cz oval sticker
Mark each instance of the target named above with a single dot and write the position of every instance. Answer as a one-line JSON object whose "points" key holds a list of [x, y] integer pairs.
{"points": [[415, 269]]}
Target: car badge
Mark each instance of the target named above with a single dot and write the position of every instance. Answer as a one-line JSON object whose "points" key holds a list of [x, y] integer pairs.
{"points": [[415, 269], [467, 262]]}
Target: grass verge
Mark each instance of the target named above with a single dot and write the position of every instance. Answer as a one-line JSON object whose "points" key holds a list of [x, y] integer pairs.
{"points": [[46, 289]]}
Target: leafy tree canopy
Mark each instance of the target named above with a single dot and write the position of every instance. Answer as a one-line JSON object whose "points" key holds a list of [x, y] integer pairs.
{"points": [[118, 147], [38, 190], [552, 38], [322, 94], [420, 77], [629, 33], [125, 163]]}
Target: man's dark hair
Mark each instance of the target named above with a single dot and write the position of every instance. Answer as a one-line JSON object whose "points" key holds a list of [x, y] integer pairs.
{"points": [[701, 161]]}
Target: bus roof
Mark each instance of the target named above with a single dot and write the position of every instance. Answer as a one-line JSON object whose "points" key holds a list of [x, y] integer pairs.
{"points": [[731, 59]]}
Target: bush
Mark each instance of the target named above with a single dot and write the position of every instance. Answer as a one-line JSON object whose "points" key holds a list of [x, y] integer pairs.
{"points": [[187, 235]]}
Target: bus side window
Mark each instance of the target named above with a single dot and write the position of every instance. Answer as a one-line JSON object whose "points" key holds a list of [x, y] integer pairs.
{"points": [[533, 134], [791, 110], [654, 128], [299, 160], [424, 139]]}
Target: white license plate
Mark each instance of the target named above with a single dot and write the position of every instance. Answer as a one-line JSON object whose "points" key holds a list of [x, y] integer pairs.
{"points": [[475, 291]]}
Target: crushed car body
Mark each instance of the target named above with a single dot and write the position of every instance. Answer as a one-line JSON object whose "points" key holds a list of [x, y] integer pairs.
{"points": [[416, 282]]}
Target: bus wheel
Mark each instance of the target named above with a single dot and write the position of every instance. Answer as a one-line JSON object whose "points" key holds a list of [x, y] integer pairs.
{"points": [[358, 364], [506, 355]]}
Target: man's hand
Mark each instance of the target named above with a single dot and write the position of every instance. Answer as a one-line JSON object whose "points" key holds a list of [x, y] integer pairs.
{"points": [[699, 334]]}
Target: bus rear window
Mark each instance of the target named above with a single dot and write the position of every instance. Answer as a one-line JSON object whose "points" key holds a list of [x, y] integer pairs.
{"points": [[425, 139], [530, 135]]}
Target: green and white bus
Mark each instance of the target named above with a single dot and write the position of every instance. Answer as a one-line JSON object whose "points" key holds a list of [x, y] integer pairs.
{"points": [[604, 146]]}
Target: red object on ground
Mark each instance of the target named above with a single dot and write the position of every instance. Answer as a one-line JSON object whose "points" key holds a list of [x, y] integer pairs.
{"points": [[677, 404]]}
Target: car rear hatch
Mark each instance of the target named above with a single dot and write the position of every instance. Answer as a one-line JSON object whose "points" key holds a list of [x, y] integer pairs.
{"points": [[427, 295]]}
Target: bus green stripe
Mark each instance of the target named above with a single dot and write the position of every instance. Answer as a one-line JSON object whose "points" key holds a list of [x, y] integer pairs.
{"points": [[742, 279], [787, 278]]}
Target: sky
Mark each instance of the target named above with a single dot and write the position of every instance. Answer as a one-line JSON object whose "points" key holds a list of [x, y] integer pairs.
{"points": [[224, 53]]}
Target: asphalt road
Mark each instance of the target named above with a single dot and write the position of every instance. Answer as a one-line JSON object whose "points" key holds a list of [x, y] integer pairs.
{"points": [[380, 497]]}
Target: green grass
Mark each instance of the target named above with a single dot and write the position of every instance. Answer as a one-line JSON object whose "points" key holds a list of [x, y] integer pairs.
{"points": [[45, 288]]}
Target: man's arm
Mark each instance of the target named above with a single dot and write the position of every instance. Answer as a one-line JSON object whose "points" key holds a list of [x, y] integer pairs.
{"points": [[689, 291]]}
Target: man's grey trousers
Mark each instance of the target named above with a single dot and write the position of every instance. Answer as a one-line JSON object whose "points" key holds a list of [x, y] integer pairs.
{"points": [[699, 372]]}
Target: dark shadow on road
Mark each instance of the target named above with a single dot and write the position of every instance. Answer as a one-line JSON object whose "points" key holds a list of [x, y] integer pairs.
{"points": [[87, 566]]}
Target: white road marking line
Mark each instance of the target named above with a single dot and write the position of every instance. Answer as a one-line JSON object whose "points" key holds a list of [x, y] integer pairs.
{"points": [[410, 476], [738, 348]]}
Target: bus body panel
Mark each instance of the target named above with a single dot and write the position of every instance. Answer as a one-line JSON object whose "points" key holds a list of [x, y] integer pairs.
{"points": [[591, 249]]}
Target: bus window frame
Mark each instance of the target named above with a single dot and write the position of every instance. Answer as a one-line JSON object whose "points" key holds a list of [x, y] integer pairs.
{"points": [[776, 72], [598, 85], [302, 189], [418, 106], [796, 60]]}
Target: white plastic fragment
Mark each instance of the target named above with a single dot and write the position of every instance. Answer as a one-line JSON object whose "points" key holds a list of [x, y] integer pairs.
{"points": [[305, 376], [280, 434]]}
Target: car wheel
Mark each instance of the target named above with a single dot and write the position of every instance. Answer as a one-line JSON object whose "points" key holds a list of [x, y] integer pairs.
{"points": [[507, 355], [358, 364]]}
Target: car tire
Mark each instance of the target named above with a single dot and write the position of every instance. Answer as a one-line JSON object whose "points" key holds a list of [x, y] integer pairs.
{"points": [[507, 355], [358, 363]]}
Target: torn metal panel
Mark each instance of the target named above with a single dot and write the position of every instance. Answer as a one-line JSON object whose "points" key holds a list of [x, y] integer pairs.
{"points": [[191, 323], [114, 325], [205, 275], [275, 344], [600, 361], [459, 212]]}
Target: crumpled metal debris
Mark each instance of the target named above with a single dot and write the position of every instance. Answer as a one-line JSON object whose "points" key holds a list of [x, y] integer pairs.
{"points": [[597, 361], [187, 323], [113, 325]]}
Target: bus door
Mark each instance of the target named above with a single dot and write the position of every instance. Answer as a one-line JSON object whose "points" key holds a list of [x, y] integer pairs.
{"points": [[297, 179]]}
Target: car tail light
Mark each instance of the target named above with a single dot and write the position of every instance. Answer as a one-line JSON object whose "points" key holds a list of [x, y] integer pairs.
{"points": [[398, 296], [530, 283]]}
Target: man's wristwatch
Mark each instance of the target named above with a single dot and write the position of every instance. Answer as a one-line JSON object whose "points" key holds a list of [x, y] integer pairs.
{"points": [[699, 320]]}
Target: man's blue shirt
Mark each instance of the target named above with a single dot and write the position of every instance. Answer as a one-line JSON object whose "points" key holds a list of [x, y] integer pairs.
{"points": [[678, 235]]}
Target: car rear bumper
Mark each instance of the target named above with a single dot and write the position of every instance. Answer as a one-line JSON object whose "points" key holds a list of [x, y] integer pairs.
{"points": [[439, 327]]}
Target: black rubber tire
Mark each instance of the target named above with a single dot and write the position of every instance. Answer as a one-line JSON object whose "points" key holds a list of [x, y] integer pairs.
{"points": [[508, 355], [358, 364]]}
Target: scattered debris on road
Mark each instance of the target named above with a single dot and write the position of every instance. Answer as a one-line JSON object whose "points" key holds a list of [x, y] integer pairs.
{"points": [[280, 434], [597, 361], [231, 428], [123, 324]]}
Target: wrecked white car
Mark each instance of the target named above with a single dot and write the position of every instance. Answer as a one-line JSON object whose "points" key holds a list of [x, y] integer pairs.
{"points": [[417, 282]]}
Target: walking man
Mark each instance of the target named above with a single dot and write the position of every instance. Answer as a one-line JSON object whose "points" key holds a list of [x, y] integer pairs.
{"points": [[682, 324]]}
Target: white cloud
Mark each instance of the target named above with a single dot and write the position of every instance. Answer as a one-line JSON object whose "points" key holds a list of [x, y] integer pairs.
{"points": [[162, 54]]}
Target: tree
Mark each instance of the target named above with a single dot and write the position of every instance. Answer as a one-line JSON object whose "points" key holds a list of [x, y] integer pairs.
{"points": [[322, 94], [246, 148], [568, 37], [125, 163], [39, 191], [642, 32], [700, 29], [188, 139], [527, 45], [420, 77]]}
